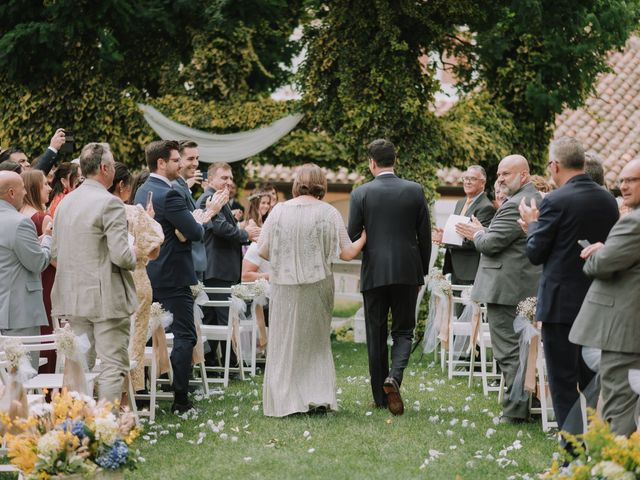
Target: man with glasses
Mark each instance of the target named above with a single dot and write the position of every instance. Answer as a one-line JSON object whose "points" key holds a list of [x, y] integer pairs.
{"points": [[461, 261], [609, 319], [578, 210]]}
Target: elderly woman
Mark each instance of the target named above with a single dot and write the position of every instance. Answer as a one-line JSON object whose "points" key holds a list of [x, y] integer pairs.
{"points": [[302, 238]]}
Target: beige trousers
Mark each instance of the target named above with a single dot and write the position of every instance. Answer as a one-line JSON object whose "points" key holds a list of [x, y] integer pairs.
{"points": [[109, 340]]}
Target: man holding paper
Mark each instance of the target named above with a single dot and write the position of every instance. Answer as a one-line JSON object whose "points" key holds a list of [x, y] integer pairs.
{"points": [[461, 259]]}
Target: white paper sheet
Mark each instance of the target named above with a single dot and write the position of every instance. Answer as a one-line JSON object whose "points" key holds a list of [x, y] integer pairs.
{"points": [[449, 236]]}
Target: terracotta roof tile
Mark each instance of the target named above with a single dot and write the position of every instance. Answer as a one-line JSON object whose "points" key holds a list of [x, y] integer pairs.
{"points": [[609, 123]]}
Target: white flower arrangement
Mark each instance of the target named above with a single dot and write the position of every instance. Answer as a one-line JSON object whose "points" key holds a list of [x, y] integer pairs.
{"points": [[158, 317], [66, 341], [527, 308], [249, 291], [14, 352], [197, 289], [437, 280]]}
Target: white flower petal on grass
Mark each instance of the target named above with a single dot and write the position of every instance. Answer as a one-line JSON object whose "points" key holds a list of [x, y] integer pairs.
{"points": [[434, 418], [368, 414], [247, 459], [179, 435], [434, 453], [465, 423], [489, 432], [449, 433], [466, 408], [496, 420], [152, 442], [452, 447], [255, 408], [223, 436], [311, 450], [234, 439], [453, 422]]}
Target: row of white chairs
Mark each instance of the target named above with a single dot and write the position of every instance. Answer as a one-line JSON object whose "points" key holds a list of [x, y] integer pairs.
{"points": [[491, 379]]}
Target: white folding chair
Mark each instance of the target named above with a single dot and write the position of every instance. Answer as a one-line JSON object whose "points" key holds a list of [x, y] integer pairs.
{"points": [[457, 367], [224, 334], [546, 407], [488, 368], [49, 381]]}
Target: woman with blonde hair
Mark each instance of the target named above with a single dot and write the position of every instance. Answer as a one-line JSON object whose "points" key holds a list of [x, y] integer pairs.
{"points": [[38, 189], [302, 238]]}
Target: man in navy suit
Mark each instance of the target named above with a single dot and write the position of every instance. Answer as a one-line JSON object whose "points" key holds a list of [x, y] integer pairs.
{"points": [[189, 160], [395, 260], [172, 273], [578, 210]]}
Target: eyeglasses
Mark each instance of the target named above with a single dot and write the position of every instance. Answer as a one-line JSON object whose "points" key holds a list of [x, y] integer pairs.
{"points": [[469, 179], [628, 180]]}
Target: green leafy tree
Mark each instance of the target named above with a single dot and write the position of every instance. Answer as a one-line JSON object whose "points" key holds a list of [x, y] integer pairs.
{"points": [[538, 57], [363, 79]]}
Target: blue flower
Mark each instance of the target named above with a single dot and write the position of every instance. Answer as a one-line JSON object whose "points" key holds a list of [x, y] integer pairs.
{"points": [[114, 457], [76, 427]]}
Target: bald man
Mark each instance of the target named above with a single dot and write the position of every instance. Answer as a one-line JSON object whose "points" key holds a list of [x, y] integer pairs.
{"points": [[609, 318], [505, 275], [22, 259]]}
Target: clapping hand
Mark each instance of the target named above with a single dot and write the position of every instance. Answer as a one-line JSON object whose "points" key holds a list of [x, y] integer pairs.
{"points": [[218, 200], [588, 251], [469, 229], [252, 230], [528, 213], [203, 216]]}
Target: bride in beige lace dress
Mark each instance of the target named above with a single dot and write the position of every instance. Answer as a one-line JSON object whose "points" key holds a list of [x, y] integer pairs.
{"points": [[147, 238], [302, 238]]}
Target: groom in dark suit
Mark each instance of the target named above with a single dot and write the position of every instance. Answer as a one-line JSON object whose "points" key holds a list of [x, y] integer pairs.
{"points": [[395, 215]]}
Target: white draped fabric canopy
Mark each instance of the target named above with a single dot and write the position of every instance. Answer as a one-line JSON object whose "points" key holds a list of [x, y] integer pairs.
{"points": [[230, 147]]}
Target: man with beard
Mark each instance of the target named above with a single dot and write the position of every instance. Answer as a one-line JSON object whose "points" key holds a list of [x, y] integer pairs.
{"points": [[505, 276]]}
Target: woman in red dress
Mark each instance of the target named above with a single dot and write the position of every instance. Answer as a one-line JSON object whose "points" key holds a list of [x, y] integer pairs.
{"points": [[34, 207]]}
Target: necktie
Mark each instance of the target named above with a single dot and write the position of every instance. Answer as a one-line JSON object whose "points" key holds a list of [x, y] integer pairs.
{"points": [[466, 206]]}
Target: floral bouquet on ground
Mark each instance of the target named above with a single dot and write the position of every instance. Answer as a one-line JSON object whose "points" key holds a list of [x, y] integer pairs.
{"points": [[73, 435], [600, 455]]}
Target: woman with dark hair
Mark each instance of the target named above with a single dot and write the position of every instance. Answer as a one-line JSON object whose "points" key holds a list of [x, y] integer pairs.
{"points": [[302, 238], [259, 207], [147, 237], [37, 187], [65, 180], [137, 181]]}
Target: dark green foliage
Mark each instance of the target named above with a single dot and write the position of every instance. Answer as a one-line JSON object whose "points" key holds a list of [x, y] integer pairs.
{"points": [[538, 57]]}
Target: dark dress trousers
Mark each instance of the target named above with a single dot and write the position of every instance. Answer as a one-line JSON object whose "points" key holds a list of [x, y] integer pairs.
{"points": [[172, 274], [395, 215], [461, 261], [579, 210]]}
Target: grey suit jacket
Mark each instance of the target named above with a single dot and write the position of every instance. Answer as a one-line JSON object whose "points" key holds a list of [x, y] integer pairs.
{"points": [[609, 317], [22, 259], [505, 274], [90, 242]]}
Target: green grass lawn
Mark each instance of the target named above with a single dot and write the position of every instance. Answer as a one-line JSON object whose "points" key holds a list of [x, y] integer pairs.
{"points": [[447, 431]]}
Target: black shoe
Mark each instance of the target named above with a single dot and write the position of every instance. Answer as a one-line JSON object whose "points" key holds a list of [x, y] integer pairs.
{"points": [[512, 420], [181, 408], [394, 400]]}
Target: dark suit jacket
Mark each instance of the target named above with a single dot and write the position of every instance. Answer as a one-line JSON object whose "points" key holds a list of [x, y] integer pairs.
{"points": [[395, 215], [174, 265], [462, 260], [223, 241], [46, 161], [198, 252], [579, 210]]}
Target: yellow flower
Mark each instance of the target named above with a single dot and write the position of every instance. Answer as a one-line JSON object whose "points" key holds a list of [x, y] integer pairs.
{"points": [[22, 450]]}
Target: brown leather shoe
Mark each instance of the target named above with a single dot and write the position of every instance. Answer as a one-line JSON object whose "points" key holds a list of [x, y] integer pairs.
{"points": [[394, 400]]}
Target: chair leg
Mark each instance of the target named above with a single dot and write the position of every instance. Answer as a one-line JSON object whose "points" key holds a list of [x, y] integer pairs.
{"points": [[153, 389], [205, 380], [483, 368], [227, 361], [131, 393]]}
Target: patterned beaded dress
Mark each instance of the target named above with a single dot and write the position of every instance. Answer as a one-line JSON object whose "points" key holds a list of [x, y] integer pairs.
{"points": [[148, 236], [301, 241]]}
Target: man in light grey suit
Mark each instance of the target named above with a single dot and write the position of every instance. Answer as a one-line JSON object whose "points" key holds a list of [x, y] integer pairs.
{"points": [[505, 276], [609, 317], [94, 288], [22, 259]]}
